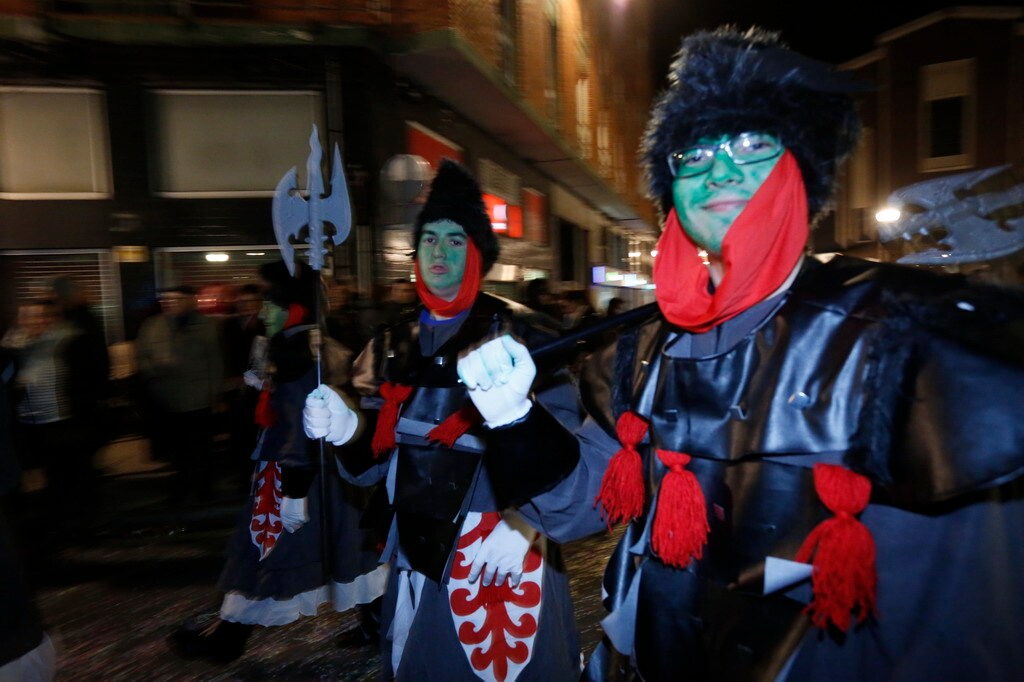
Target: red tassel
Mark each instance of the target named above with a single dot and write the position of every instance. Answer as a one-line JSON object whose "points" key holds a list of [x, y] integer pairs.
{"points": [[622, 487], [457, 423], [681, 520], [844, 577], [387, 419], [265, 416]]}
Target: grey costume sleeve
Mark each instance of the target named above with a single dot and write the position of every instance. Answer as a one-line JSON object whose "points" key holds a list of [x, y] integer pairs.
{"points": [[567, 511]]}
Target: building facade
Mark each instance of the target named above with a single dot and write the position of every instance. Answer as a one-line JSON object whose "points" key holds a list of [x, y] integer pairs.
{"points": [[139, 139], [949, 99]]}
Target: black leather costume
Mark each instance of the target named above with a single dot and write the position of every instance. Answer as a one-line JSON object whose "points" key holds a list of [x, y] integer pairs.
{"points": [[912, 379], [434, 486], [434, 493]]}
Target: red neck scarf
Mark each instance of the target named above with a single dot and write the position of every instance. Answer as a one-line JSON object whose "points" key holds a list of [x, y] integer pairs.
{"points": [[468, 290], [759, 252], [296, 315]]}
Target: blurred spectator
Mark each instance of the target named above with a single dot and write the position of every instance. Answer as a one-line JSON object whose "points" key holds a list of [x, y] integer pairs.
{"points": [[616, 305], [577, 310], [47, 434], [26, 652], [578, 313], [346, 320], [240, 331], [88, 366], [181, 369], [542, 301], [400, 302]]}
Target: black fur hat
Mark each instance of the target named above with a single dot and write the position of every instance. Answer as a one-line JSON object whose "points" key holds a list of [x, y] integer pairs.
{"points": [[727, 82], [283, 289], [455, 196]]}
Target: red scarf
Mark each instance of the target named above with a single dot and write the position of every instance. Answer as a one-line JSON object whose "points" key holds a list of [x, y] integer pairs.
{"points": [[468, 290], [759, 252]]}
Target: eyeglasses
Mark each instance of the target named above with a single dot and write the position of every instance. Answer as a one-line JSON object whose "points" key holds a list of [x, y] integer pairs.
{"points": [[742, 149]]}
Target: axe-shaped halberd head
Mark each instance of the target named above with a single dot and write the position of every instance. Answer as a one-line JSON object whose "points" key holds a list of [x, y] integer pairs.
{"points": [[970, 217], [292, 213]]}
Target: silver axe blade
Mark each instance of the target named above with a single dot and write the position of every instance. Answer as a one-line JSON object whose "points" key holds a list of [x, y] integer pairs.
{"points": [[291, 212], [972, 216]]}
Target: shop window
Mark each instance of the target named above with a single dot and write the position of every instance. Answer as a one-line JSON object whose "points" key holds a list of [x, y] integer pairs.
{"points": [[231, 144], [54, 144]]}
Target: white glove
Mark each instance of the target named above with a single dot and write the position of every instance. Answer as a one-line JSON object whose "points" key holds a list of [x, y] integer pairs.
{"points": [[327, 416], [293, 513], [252, 379], [498, 375], [502, 553]]}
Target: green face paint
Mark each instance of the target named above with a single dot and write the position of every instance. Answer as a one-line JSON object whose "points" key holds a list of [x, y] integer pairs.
{"points": [[441, 254], [708, 203], [273, 317]]}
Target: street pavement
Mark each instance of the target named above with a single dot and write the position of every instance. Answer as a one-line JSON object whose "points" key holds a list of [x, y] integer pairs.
{"points": [[110, 598]]}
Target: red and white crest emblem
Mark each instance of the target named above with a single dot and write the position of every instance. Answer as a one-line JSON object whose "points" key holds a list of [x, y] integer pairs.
{"points": [[265, 526], [496, 624]]}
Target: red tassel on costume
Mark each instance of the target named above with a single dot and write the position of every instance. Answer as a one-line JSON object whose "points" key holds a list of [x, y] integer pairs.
{"points": [[844, 577], [680, 526], [622, 487], [457, 423], [265, 416], [387, 419]]}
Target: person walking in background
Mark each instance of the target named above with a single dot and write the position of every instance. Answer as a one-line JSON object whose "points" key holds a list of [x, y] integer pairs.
{"points": [[48, 434], [276, 569], [88, 364], [181, 368]]}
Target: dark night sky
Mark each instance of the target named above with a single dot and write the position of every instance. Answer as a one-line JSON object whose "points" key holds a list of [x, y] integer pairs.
{"points": [[807, 27]]}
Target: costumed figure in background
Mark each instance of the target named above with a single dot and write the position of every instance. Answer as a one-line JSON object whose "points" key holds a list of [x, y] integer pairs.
{"points": [[275, 569], [474, 592], [818, 462]]}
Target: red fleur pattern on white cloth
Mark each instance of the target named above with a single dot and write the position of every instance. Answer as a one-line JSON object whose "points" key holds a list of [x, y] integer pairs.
{"points": [[496, 624], [266, 526]]}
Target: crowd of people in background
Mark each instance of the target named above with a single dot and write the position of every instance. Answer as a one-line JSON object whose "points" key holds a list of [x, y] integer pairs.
{"points": [[189, 396]]}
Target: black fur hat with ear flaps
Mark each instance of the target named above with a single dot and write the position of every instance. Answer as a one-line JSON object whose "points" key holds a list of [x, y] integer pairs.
{"points": [[283, 289], [726, 82], [455, 196]]}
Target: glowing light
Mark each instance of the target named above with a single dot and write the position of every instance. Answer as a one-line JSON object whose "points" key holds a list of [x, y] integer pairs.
{"points": [[888, 215], [255, 253], [654, 253], [634, 254], [217, 257]]}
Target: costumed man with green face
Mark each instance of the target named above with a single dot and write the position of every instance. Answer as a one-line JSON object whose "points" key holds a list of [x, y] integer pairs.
{"points": [[475, 592], [818, 463], [276, 570]]}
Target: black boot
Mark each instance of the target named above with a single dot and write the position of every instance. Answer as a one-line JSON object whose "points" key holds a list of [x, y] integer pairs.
{"points": [[367, 632], [207, 636]]}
